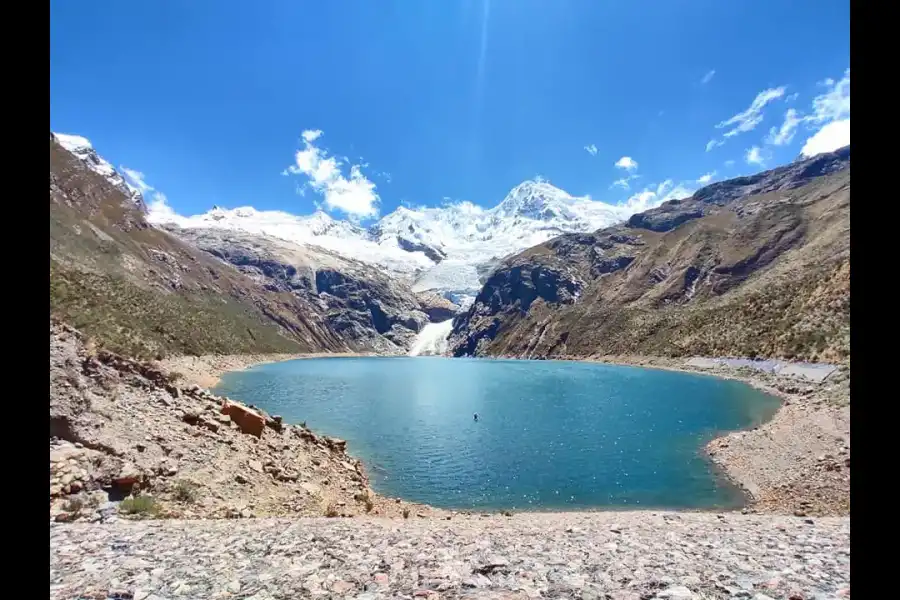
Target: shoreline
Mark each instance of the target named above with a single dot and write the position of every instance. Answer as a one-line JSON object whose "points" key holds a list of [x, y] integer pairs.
{"points": [[794, 463], [785, 465], [207, 370]]}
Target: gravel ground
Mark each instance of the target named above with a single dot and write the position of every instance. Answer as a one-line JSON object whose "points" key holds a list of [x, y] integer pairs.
{"points": [[609, 555]]}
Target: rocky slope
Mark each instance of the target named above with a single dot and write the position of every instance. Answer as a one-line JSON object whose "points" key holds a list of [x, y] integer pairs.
{"points": [[245, 292], [143, 292], [369, 309], [754, 266], [121, 427]]}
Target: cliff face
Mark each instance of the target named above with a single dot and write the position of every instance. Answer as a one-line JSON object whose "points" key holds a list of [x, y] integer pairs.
{"points": [[368, 309], [141, 291], [754, 266]]}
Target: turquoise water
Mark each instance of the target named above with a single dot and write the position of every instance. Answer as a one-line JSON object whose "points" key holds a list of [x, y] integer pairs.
{"points": [[550, 435]]}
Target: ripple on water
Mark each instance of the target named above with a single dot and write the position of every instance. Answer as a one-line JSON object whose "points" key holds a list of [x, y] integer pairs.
{"points": [[550, 434]]}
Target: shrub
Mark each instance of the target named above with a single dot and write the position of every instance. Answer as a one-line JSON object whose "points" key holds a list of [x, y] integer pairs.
{"points": [[405, 513], [185, 491], [331, 511], [140, 505]]}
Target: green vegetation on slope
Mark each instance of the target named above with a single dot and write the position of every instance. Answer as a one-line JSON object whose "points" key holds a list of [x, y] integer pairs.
{"points": [[129, 320]]}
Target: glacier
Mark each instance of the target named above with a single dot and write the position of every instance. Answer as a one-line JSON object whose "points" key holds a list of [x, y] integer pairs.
{"points": [[447, 249]]}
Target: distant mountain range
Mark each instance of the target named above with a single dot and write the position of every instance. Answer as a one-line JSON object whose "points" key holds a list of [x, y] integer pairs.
{"points": [[447, 249], [542, 273]]}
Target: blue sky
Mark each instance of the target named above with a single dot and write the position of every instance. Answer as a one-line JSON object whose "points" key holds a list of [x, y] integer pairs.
{"points": [[430, 100]]}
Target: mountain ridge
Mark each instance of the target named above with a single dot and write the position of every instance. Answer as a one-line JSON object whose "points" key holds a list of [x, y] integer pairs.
{"points": [[443, 249], [754, 266]]}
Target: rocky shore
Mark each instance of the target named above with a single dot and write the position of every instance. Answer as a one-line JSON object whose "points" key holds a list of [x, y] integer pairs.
{"points": [[206, 370], [796, 463], [128, 440], [161, 489]]}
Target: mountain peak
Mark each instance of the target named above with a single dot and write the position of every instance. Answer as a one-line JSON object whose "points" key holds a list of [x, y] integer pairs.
{"points": [[534, 199], [82, 148]]}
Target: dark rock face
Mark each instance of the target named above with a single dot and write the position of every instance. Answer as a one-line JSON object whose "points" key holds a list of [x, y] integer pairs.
{"points": [[754, 266], [431, 252], [664, 218], [369, 310], [674, 213], [519, 286], [511, 289]]}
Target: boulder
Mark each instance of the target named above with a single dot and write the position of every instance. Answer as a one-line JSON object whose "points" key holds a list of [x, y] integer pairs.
{"points": [[336, 444], [247, 420]]}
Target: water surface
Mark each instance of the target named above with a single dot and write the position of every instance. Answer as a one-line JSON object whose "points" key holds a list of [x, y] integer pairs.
{"points": [[550, 435]]}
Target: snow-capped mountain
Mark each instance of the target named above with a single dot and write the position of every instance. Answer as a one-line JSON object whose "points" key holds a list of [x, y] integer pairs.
{"points": [[447, 249], [82, 148]]}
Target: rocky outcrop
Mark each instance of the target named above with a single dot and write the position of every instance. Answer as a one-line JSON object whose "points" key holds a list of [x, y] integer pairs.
{"points": [[437, 307], [673, 213], [755, 266], [368, 309], [123, 428]]}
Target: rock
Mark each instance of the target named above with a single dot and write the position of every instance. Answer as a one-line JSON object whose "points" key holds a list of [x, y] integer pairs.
{"points": [[241, 479], [494, 563], [678, 592], [210, 425], [128, 475], [476, 581], [335, 444], [342, 587], [249, 421], [275, 423]]}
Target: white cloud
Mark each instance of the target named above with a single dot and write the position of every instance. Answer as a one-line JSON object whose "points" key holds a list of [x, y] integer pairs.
{"points": [[755, 156], [828, 139], [311, 135], [792, 97], [159, 211], [624, 182], [708, 77], [752, 116], [833, 105], [830, 111], [649, 198], [785, 134], [627, 163], [729, 163], [136, 180], [591, 149], [704, 179], [713, 143], [354, 196]]}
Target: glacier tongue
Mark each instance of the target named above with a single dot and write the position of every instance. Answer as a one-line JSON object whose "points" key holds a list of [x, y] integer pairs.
{"points": [[432, 340]]}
